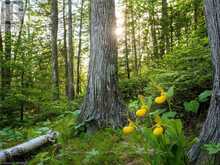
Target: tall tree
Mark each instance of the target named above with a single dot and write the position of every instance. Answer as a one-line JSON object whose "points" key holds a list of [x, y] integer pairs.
{"points": [[133, 32], [165, 28], [65, 47], [195, 13], [70, 53], [6, 78], [126, 41], [211, 129], [102, 104], [152, 22], [1, 56], [17, 50], [54, 59], [79, 48]]}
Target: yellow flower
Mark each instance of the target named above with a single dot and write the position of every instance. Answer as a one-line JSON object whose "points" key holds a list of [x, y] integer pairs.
{"points": [[128, 130], [161, 99], [141, 112], [158, 131]]}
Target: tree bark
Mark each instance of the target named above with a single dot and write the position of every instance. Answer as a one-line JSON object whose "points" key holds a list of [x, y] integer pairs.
{"points": [[153, 31], [211, 129], [21, 149], [65, 48], [6, 78], [70, 53], [165, 30], [54, 58], [195, 13], [79, 49], [1, 58], [126, 41], [102, 104], [133, 31]]}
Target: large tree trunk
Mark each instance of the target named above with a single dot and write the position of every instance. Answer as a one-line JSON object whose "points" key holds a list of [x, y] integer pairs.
{"points": [[54, 59], [102, 104], [65, 48], [70, 53], [79, 49], [211, 129], [21, 149], [126, 41]]}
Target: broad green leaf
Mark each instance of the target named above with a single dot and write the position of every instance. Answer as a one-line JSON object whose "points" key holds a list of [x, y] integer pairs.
{"points": [[191, 106], [204, 96], [168, 115], [170, 92]]}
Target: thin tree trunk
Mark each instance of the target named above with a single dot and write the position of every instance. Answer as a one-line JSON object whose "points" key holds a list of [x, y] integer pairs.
{"points": [[126, 41], [102, 105], [195, 13], [134, 38], [165, 30], [6, 80], [70, 53], [79, 49], [1, 63], [55, 76], [153, 32], [65, 48], [211, 129], [171, 27], [140, 48]]}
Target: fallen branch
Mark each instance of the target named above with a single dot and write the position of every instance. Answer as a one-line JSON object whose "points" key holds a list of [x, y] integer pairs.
{"points": [[28, 146]]}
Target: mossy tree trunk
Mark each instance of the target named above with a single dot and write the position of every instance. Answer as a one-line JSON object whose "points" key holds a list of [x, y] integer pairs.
{"points": [[211, 128], [102, 103]]}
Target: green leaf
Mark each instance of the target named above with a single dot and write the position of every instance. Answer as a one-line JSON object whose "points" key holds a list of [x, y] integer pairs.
{"points": [[168, 115], [149, 101], [170, 92], [191, 106], [212, 148], [204, 96], [76, 113]]}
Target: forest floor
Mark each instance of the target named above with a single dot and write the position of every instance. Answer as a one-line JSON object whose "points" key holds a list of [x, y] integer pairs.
{"points": [[106, 146]]}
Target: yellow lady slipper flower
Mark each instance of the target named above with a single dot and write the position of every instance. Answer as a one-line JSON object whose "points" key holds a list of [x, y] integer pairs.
{"points": [[158, 131], [161, 99], [141, 112], [128, 130]]}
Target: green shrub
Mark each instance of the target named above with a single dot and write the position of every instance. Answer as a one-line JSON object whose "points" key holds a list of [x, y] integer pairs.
{"points": [[131, 88]]}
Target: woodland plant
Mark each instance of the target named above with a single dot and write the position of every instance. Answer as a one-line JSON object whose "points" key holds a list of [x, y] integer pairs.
{"points": [[159, 128]]}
